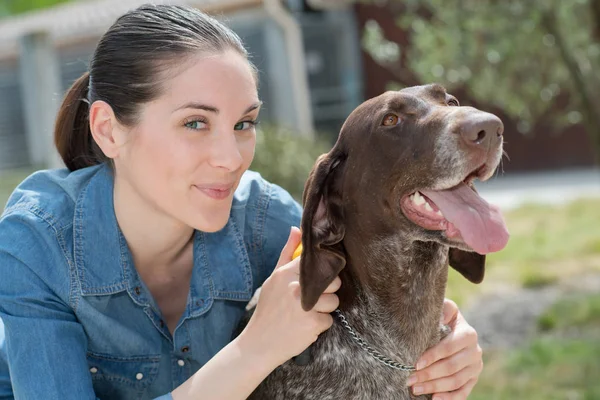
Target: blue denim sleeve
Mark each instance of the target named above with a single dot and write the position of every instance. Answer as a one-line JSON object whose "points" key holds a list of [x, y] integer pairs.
{"points": [[44, 344], [282, 213]]}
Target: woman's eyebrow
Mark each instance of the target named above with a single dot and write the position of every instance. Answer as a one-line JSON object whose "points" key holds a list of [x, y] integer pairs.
{"points": [[200, 106], [253, 107]]}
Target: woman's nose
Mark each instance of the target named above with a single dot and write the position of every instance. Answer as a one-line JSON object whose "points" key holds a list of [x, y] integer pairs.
{"points": [[225, 152]]}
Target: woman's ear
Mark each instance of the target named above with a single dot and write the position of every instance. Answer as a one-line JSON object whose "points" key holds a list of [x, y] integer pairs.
{"points": [[323, 255], [105, 129]]}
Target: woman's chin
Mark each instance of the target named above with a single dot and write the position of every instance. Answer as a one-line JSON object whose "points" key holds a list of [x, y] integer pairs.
{"points": [[209, 222]]}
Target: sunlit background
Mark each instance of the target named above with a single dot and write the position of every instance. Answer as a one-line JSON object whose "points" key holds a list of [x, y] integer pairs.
{"points": [[534, 63]]}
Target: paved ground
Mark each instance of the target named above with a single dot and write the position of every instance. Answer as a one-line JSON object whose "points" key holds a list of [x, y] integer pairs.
{"points": [[554, 187]]}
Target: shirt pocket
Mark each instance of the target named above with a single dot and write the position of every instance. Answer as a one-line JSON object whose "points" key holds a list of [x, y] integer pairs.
{"points": [[122, 377]]}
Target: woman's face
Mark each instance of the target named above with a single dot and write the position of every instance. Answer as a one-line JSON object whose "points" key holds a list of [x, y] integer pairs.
{"points": [[187, 154]]}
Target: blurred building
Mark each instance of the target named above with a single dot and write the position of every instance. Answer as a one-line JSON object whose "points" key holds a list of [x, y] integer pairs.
{"points": [[308, 57]]}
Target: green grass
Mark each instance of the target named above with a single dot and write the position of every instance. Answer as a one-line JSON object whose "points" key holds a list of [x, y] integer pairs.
{"points": [[572, 312], [558, 364], [547, 243], [547, 369], [549, 233]]}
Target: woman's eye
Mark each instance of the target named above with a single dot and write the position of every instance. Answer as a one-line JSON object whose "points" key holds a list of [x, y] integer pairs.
{"points": [[453, 102], [390, 120], [195, 124], [244, 125]]}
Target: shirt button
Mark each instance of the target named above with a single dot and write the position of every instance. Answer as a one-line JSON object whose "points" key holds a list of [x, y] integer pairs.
{"points": [[181, 363], [185, 349], [139, 376], [137, 290], [93, 370]]}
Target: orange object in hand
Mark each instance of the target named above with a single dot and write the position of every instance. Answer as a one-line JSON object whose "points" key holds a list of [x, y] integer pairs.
{"points": [[297, 252]]}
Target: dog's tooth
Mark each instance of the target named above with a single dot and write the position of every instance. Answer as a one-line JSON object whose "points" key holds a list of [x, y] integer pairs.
{"points": [[428, 207], [439, 212], [418, 199]]}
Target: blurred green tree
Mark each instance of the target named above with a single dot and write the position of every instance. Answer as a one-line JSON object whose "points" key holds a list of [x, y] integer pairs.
{"points": [[12, 7], [518, 55], [286, 158]]}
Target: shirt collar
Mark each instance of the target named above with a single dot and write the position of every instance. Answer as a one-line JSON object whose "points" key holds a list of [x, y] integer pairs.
{"points": [[105, 266]]}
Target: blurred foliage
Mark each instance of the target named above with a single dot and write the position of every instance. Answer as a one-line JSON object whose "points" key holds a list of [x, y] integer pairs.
{"points": [[521, 56], [13, 7], [285, 158]]}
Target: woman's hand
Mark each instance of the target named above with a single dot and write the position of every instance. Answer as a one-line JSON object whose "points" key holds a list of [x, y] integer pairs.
{"points": [[451, 368], [279, 326]]}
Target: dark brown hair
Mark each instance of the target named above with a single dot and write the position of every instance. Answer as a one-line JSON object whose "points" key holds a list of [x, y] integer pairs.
{"points": [[127, 70]]}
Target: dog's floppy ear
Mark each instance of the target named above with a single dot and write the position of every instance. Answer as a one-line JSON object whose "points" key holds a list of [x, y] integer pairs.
{"points": [[323, 255], [471, 265]]}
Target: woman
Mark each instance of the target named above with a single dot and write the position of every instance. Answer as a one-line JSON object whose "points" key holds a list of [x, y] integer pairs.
{"points": [[125, 275]]}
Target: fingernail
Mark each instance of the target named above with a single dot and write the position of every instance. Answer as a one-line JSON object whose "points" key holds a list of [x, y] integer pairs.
{"points": [[418, 389], [421, 364], [411, 380], [437, 398]]}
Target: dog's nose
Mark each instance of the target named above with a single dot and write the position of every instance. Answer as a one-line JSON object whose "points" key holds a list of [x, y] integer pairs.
{"points": [[481, 128]]}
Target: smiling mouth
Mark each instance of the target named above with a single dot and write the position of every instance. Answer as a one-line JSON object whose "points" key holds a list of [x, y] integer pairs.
{"points": [[216, 192], [461, 214]]}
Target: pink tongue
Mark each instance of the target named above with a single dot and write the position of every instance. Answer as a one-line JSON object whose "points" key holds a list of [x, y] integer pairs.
{"points": [[480, 224]]}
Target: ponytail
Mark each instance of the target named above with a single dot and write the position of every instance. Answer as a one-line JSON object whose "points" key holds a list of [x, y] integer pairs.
{"points": [[72, 135]]}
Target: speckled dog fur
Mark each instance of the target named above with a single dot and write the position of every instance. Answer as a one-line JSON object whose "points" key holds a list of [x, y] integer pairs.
{"points": [[393, 272]]}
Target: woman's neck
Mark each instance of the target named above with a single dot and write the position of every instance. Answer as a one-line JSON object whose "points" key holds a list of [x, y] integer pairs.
{"points": [[158, 243]]}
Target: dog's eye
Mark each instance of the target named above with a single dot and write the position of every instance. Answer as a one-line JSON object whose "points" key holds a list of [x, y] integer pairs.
{"points": [[453, 102], [390, 120]]}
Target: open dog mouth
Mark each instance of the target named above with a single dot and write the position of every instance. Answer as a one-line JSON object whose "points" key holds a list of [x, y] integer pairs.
{"points": [[461, 213]]}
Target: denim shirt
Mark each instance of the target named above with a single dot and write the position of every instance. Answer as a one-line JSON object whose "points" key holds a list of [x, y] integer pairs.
{"points": [[79, 323]]}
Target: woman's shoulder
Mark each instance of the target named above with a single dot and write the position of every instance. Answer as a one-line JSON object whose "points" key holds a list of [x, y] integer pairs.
{"points": [[257, 195], [49, 195], [37, 226]]}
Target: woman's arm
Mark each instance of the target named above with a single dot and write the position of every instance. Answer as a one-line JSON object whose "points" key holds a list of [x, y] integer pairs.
{"points": [[278, 330], [231, 374], [46, 345]]}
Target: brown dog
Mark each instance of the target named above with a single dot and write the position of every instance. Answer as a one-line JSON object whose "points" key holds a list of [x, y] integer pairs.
{"points": [[388, 208]]}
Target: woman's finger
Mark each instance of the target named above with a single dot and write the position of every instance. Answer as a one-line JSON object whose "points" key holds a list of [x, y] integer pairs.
{"points": [[325, 321], [334, 286], [327, 303], [288, 250], [449, 312], [446, 384], [469, 356], [460, 394], [460, 338]]}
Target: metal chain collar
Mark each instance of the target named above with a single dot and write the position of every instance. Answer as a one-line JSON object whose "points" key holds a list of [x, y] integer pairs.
{"points": [[372, 352]]}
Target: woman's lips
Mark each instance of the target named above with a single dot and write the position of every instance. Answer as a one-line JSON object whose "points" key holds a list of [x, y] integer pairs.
{"points": [[217, 192]]}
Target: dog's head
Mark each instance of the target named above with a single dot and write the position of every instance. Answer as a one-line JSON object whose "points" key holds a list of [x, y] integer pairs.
{"points": [[404, 162]]}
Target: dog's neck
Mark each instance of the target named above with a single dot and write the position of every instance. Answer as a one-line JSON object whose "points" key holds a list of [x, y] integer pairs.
{"points": [[396, 286]]}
